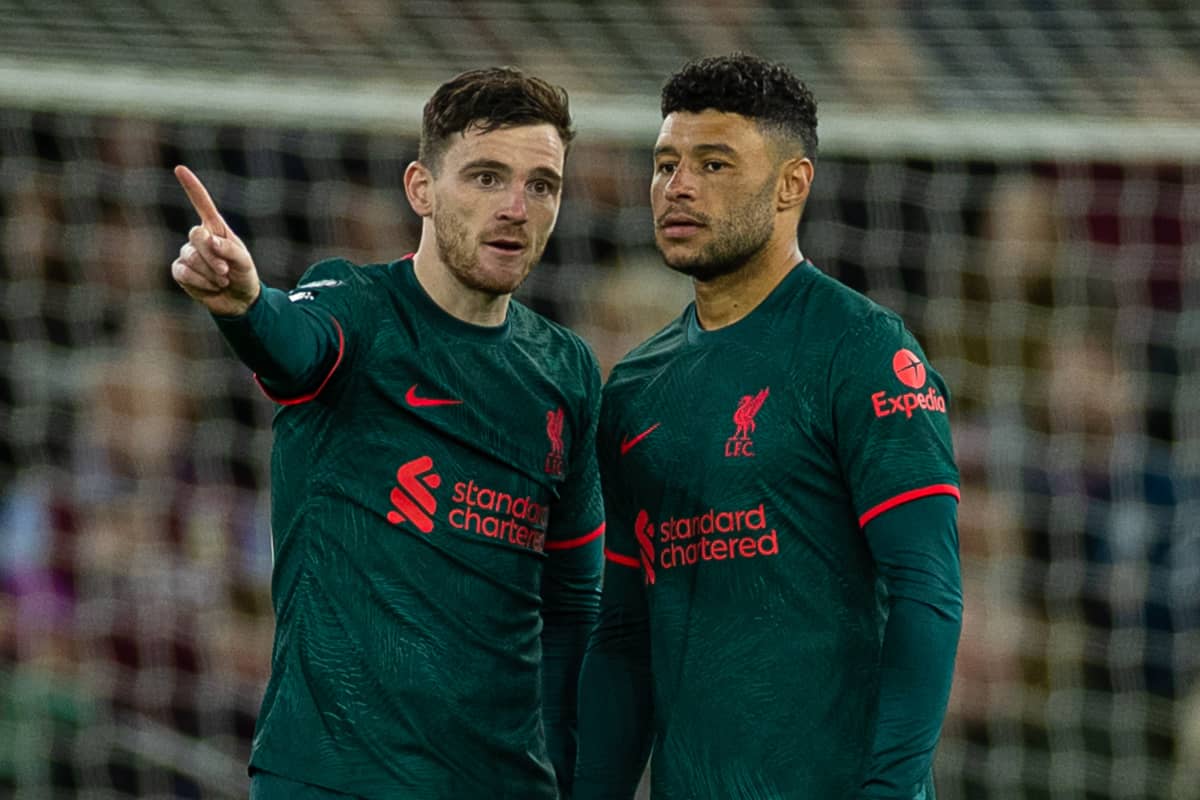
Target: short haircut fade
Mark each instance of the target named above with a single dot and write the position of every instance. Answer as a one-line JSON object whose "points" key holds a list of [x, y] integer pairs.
{"points": [[766, 92], [488, 99]]}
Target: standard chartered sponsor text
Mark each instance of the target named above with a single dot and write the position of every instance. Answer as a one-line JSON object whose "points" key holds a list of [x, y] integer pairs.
{"points": [[499, 515], [716, 536]]}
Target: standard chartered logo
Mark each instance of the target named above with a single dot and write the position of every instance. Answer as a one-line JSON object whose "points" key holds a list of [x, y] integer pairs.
{"points": [[713, 535], [502, 516], [412, 498]]}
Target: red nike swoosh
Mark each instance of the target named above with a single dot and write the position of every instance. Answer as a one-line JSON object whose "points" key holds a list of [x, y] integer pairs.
{"points": [[627, 444], [411, 398]]}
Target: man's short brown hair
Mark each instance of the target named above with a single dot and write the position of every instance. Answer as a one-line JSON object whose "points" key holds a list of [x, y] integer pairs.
{"points": [[487, 99]]}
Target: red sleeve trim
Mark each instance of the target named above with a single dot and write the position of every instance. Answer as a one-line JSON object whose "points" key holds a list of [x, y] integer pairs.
{"points": [[579, 541], [914, 494], [624, 561], [295, 401]]}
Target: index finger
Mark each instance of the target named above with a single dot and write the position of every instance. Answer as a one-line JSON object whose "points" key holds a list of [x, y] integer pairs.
{"points": [[201, 201]]}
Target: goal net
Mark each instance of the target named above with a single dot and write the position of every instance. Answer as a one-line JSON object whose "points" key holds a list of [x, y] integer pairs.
{"points": [[1048, 263]]}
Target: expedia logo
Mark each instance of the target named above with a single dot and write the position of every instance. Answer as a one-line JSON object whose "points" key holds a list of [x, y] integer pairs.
{"points": [[910, 372]]}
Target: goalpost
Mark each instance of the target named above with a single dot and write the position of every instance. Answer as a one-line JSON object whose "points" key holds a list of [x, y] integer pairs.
{"points": [[1048, 265]]}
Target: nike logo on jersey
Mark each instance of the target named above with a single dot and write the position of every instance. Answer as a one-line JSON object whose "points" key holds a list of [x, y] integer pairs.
{"points": [[628, 444], [415, 401]]}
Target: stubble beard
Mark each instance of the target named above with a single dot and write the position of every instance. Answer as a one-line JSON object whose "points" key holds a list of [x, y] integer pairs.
{"points": [[735, 239], [455, 249]]}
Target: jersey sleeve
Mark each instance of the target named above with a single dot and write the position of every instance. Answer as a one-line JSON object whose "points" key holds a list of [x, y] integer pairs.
{"points": [[621, 548], [615, 692], [297, 342], [890, 418], [571, 584], [577, 519]]}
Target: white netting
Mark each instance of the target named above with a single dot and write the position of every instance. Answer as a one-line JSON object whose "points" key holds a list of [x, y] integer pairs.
{"points": [[1048, 264]]}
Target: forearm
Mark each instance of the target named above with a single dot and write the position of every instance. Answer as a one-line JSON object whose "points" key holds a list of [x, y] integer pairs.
{"points": [[290, 348], [564, 639], [615, 697], [916, 669], [916, 548]]}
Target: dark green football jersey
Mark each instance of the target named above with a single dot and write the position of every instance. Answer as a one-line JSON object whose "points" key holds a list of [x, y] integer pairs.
{"points": [[420, 498], [740, 466]]}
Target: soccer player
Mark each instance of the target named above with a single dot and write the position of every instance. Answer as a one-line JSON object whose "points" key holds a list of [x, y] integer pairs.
{"points": [[782, 600], [435, 498]]}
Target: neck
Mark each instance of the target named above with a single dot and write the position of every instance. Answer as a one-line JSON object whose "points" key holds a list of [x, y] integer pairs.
{"points": [[729, 298], [452, 295]]}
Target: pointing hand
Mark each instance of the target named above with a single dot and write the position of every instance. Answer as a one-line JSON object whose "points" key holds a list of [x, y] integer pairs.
{"points": [[214, 267]]}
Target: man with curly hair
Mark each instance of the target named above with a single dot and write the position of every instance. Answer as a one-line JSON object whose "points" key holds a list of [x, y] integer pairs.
{"points": [[782, 599]]}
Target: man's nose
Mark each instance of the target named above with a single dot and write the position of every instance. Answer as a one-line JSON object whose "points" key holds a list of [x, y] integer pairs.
{"points": [[680, 184], [516, 209]]}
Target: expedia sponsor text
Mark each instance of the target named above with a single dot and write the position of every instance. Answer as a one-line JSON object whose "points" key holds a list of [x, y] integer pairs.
{"points": [[907, 403]]}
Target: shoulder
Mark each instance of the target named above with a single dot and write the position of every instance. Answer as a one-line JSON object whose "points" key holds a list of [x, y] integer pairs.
{"points": [[841, 309], [853, 322], [648, 357], [554, 343], [335, 273]]}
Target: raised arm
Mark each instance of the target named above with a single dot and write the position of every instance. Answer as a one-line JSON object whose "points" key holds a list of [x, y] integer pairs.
{"points": [[293, 350], [214, 267]]}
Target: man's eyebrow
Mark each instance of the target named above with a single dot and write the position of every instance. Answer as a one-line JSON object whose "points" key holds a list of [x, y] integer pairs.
{"points": [[723, 149], [545, 173], [486, 163], [700, 149]]}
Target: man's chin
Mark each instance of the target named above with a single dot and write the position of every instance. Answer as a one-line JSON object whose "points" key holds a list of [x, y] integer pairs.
{"points": [[696, 268], [500, 279]]}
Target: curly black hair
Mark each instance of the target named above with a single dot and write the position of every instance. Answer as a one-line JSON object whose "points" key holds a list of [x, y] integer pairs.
{"points": [[750, 86], [487, 99]]}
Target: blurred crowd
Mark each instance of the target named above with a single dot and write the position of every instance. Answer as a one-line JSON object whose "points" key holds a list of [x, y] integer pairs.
{"points": [[1058, 299]]}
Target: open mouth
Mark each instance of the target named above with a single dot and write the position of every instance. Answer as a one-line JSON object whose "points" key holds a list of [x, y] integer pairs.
{"points": [[506, 245]]}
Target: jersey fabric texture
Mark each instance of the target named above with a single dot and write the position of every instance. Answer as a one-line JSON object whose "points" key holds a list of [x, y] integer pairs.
{"points": [[434, 488], [740, 468]]}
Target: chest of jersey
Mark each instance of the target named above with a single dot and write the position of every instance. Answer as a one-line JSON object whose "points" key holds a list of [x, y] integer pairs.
{"points": [[461, 448], [721, 426], [728, 461]]}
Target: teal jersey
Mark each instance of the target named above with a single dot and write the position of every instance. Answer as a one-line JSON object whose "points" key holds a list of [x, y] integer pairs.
{"points": [[740, 467], [431, 494]]}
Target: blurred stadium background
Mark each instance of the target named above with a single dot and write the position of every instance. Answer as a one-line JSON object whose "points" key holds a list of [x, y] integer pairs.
{"points": [[1020, 179]]}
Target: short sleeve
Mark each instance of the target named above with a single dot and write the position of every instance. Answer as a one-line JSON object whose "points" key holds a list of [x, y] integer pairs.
{"points": [[890, 418]]}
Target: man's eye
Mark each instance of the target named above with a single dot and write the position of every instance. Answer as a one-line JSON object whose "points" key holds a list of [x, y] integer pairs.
{"points": [[486, 179], [540, 187], [714, 166], [666, 168]]}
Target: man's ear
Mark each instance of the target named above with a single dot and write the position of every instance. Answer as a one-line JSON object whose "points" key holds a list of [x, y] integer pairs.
{"points": [[418, 186], [795, 179]]}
